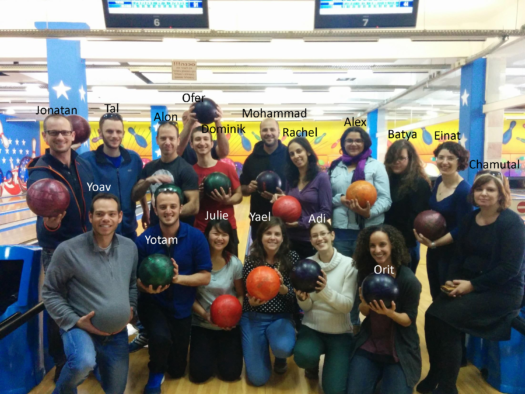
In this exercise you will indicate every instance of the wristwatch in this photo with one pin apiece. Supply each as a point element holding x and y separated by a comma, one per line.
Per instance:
<point>433,245</point>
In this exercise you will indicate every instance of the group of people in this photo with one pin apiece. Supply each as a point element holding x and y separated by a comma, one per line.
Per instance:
<point>91,254</point>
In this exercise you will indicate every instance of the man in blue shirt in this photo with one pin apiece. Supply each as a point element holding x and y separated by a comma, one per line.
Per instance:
<point>166,312</point>
<point>116,170</point>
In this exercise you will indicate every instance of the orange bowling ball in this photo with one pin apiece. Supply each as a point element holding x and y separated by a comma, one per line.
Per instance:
<point>263,283</point>
<point>362,190</point>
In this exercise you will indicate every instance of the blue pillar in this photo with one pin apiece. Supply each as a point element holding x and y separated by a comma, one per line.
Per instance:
<point>66,72</point>
<point>159,110</point>
<point>471,116</point>
<point>372,131</point>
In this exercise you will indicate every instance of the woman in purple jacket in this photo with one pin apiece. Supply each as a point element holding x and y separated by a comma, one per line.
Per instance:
<point>313,190</point>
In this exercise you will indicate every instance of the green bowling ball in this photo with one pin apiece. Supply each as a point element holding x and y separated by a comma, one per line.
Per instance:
<point>215,181</point>
<point>156,270</point>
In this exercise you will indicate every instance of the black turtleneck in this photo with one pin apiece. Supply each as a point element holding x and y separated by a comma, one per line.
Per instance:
<point>405,207</point>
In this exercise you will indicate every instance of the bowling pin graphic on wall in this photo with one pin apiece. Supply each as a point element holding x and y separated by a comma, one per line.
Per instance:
<point>3,138</point>
<point>246,144</point>
<point>427,137</point>
<point>507,136</point>
<point>33,144</point>
<point>140,140</point>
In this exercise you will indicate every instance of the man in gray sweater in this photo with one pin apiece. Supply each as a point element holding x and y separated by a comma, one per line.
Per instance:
<point>90,290</point>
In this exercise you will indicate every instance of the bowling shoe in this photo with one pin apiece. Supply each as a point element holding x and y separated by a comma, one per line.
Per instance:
<point>154,383</point>
<point>138,343</point>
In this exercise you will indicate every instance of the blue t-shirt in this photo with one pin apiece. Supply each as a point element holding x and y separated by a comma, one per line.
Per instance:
<point>116,161</point>
<point>191,253</point>
<point>454,207</point>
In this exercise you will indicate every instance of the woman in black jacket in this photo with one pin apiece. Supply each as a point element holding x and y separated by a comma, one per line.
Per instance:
<point>410,192</point>
<point>387,346</point>
<point>485,282</point>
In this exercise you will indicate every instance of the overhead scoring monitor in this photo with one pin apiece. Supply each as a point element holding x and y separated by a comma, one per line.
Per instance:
<point>345,14</point>
<point>147,14</point>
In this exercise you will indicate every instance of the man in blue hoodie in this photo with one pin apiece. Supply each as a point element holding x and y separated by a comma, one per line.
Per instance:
<point>63,164</point>
<point>117,169</point>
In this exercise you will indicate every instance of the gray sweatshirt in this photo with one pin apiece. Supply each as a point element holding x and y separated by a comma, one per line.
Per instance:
<point>82,278</point>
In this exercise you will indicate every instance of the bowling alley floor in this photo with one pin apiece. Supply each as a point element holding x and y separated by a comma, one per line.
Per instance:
<point>469,382</point>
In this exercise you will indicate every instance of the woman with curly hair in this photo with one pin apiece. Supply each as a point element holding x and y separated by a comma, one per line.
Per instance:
<point>449,198</point>
<point>387,346</point>
<point>311,188</point>
<point>410,191</point>
<point>348,217</point>
<point>269,323</point>
<point>484,284</point>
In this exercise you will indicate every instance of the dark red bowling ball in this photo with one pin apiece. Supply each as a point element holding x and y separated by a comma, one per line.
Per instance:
<point>268,181</point>
<point>205,111</point>
<point>287,208</point>
<point>304,275</point>
<point>226,311</point>
<point>380,287</point>
<point>47,198</point>
<point>431,224</point>
<point>81,128</point>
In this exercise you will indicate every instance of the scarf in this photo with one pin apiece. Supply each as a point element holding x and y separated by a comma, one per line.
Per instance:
<point>360,159</point>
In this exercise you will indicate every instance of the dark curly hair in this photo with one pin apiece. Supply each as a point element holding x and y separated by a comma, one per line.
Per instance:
<point>414,168</point>
<point>282,256</point>
<point>224,226</point>
<point>363,260</point>
<point>457,150</point>
<point>292,172</point>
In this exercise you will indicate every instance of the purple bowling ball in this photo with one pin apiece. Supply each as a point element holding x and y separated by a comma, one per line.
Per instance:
<point>304,275</point>
<point>380,287</point>
<point>268,181</point>
<point>206,111</point>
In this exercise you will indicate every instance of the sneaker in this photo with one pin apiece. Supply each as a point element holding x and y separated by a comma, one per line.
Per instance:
<point>138,343</point>
<point>312,373</point>
<point>280,366</point>
<point>154,383</point>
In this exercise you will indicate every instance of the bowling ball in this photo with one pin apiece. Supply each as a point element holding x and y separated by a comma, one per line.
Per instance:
<point>431,224</point>
<point>226,311</point>
<point>263,283</point>
<point>156,270</point>
<point>362,190</point>
<point>81,128</point>
<point>304,275</point>
<point>215,181</point>
<point>380,287</point>
<point>170,187</point>
<point>268,181</point>
<point>205,111</point>
<point>287,208</point>
<point>47,198</point>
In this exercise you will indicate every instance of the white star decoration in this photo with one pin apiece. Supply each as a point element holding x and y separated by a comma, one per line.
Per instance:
<point>464,98</point>
<point>21,151</point>
<point>16,142</point>
<point>17,161</point>
<point>157,152</point>
<point>27,152</point>
<point>82,93</point>
<point>24,142</point>
<point>61,90</point>
<point>3,160</point>
<point>14,151</point>
<point>156,127</point>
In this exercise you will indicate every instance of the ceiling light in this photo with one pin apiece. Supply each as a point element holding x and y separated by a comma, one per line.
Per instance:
<point>10,111</point>
<point>340,89</point>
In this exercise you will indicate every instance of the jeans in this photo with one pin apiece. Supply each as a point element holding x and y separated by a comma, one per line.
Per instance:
<point>210,348</point>
<point>84,351</point>
<point>169,338</point>
<point>344,242</point>
<point>414,257</point>
<point>260,330</point>
<point>56,348</point>
<point>364,374</point>
<point>312,344</point>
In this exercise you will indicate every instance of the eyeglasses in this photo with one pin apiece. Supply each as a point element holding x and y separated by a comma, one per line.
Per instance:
<point>111,115</point>
<point>320,235</point>
<point>55,133</point>
<point>446,158</point>
<point>495,174</point>
<point>402,158</point>
<point>351,141</point>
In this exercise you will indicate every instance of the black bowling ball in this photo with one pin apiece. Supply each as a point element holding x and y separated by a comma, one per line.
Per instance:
<point>304,275</point>
<point>380,287</point>
<point>206,111</point>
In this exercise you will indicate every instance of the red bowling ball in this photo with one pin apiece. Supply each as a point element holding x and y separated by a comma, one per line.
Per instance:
<point>287,208</point>
<point>226,311</point>
<point>80,127</point>
<point>47,198</point>
<point>431,224</point>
